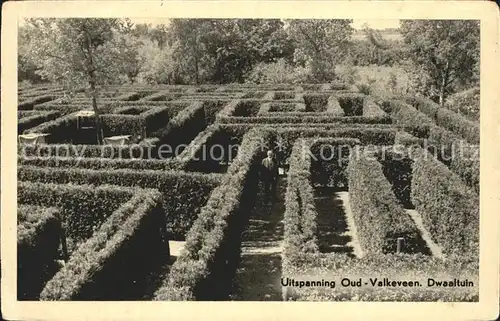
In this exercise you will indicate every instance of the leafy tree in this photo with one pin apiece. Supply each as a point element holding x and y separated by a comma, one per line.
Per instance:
<point>444,55</point>
<point>320,44</point>
<point>76,52</point>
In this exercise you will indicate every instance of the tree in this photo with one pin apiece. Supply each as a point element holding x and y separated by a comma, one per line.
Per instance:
<point>76,52</point>
<point>320,44</point>
<point>445,52</point>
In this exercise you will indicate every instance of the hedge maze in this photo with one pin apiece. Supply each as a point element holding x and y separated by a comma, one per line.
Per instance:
<point>368,189</point>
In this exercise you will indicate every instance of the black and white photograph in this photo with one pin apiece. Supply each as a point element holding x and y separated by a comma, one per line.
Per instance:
<point>248,159</point>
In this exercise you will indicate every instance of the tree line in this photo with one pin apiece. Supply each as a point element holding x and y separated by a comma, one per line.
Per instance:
<point>442,57</point>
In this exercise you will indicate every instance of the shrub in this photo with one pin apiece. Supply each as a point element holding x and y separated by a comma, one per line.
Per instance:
<point>25,123</point>
<point>410,119</point>
<point>449,209</point>
<point>38,233</point>
<point>406,139</point>
<point>30,103</point>
<point>133,233</point>
<point>204,262</point>
<point>97,202</point>
<point>182,128</point>
<point>379,219</point>
<point>352,104</point>
<point>330,157</point>
<point>60,130</point>
<point>183,193</point>
<point>316,102</point>
<point>447,119</point>
<point>333,106</point>
<point>201,155</point>
<point>466,103</point>
<point>465,163</point>
<point>371,109</point>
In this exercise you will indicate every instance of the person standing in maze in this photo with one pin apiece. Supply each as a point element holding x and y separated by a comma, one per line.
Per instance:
<point>269,175</point>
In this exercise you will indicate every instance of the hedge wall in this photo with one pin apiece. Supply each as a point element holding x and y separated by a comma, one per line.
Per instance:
<point>449,209</point>
<point>38,234</point>
<point>379,218</point>
<point>184,127</point>
<point>96,202</point>
<point>447,119</point>
<point>200,156</point>
<point>30,103</point>
<point>25,123</point>
<point>105,266</point>
<point>61,130</point>
<point>183,193</point>
<point>330,157</point>
<point>201,271</point>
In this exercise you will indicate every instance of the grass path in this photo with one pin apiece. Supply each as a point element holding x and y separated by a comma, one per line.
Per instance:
<point>336,229</point>
<point>259,273</point>
<point>433,247</point>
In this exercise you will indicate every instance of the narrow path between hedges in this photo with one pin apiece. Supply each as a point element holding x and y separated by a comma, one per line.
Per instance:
<point>433,247</point>
<point>259,273</point>
<point>336,228</point>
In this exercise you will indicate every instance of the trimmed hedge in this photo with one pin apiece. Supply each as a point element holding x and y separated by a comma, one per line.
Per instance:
<point>184,127</point>
<point>300,215</point>
<point>352,104</point>
<point>448,119</point>
<point>333,106</point>
<point>38,234</point>
<point>202,267</point>
<point>105,267</point>
<point>315,102</point>
<point>413,121</point>
<point>198,155</point>
<point>31,121</point>
<point>379,218</point>
<point>97,202</point>
<point>466,164</point>
<point>30,103</point>
<point>371,109</point>
<point>330,157</point>
<point>183,193</point>
<point>300,118</point>
<point>449,209</point>
<point>61,129</point>
<point>301,257</point>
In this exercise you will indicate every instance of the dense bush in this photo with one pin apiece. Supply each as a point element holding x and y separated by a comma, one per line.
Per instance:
<point>371,109</point>
<point>60,130</point>
<point>28,122</point>
<point>183,193</point>
<point>316,102</point>
<point>449,209</point>
<point>379,218</point>
<point>199,271</point>
<point>301,118</point>
<point>410,119</point>
<point>30,103</point>
<point>465,163</point>
<point>106,266</point>
<point>83,208</point>
<point>202,156</point>
<point>447,119</point>
<point>182,128</point>
<point>330,157</point>
<point>352,104</point>
<point>333,106</point>
<point>38,235</point>
<point>466,103</point>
